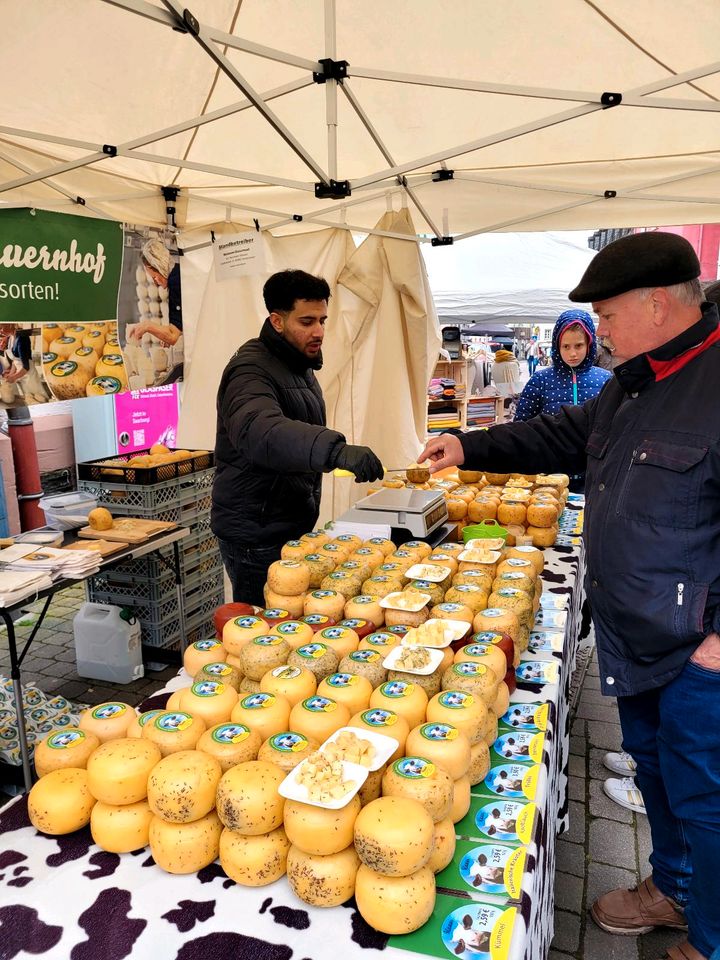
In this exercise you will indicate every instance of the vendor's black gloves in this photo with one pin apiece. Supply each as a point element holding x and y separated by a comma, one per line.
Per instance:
<point>361,461</point>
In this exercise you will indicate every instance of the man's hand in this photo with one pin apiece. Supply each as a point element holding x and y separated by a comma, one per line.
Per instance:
<point>707,655</point>
<point>361,461</point>
<point>445,451</point>
<point>14,374</point>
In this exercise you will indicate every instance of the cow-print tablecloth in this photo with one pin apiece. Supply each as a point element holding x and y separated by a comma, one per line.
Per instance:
<point>62,898</point>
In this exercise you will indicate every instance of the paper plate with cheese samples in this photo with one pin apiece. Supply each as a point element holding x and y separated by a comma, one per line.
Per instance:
<point>434,573</point>
<point>397,659</point>
<point>384,746</point>
<point>479,556</point>
<point>428,634</point>
<point>332,793</point>
<point>409,602</point>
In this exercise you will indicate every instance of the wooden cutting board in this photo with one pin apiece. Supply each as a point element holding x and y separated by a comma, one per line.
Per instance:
<point>103,547</point>
<point>128,530</point>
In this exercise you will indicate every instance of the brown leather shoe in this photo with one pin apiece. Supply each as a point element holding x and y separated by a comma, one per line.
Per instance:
<point>684,951</point>
<point>638,910</point>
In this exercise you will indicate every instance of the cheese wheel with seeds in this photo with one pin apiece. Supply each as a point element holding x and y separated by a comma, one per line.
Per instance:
<point>265,713</point>
<point>182,848</point>
<point>239,631</point>
<point>364,663</point>
<point>108,721</point>
<point>248,686</point>
<point>382,640</point>
<point>329,603</point>
<point>61,802</point>
<point>457,509</point>
<point>516,579</point>
<point>479,762</point>
<point>509,598</point>
<point>372,788</point>
<point>288,577</point>
<point>442,744</point>
<point>248,800</point>
<point>380,585</point>
<point>409,700</point>
<point>316,538</point>
<point>319,566</point>
<point>173,731</point>
<point>223,671</point>
<point>118,770</point>
<point>373,556</point>
<point>293,683</point>
<point>460,709</point>
<point>64,748</point>
<point>320,659</point>
<point>461,799</point>
<point>387,722</point>
<point>254,861</point>
<point>347,688</point>
<point>490,733</point>
<point>318,717</point>
<point>381,543</point>
<point>262,654</point>
<point>470,595</point>
<point>121,829</point>
<point>475,576</point>
<point>476,678</point>
<point>394,835</point>
<point>443,845</point>
<point>181,788</point>
<point>435,591</point>
<point>320,831</point>
<point>541,514</point>
<point>293,550</point>
<point>395,905</point>
<point>322,881</point>
<point>543,536</point>
<point>488,653</point>
<point>498,620</point>
<point>533,554</point>
<point>230,744</point>
<point>517,565</point>
<point>482,509</point>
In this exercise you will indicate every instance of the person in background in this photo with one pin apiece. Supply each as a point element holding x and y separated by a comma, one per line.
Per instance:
<point>505,373</point>
<point>533,354</point>
<point>650,441</point>
<point>604,357</point>
<point>272,445</point>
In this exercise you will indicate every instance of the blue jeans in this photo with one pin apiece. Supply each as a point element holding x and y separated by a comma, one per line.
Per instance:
<point>247,569</point>
<point>673,734</point>
<point>532,365</point>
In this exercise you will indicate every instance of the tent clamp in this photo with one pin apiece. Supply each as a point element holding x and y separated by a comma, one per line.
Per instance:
<point>191,23</point>
<point>443,241</point>
<point>297,217</point>
<point>80,201</point>
<point>333,190</point>
<point>170,194</point>
<point>610,194</point>
<point>610,99</point>
<point>439,175</point>
<point>109,150</point>
<point>331,70</point>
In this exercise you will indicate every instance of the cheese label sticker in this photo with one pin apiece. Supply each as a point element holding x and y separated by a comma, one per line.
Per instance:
<point>378,541</point>
<point>399,629</point>
<point>340,575</point>
<point>450,607</point>
<point>289,628</point>
<point>365,656</point>
<point>66,340</point>
<point>403,555</point>
<point>439,732</point>
<point>365,599</point>
<point>107,710</point>
<point>66,739</point>
<point>478,930</point>
<point>413,544</point>
<point>506,820</point>
<point>468,668</point>
<point>314,535</point>
<point>397,688</point>
<point>286,673</point>
<point>514,780</point>
<point>294,543</point>
<point>203,645</point>
<point>268,640</point>
<point>517,562</point>
<point>538,672</point>
<point>107,384</point>
<point>334,633</point>
<point>149,715</point>
<point>323,594</point>
<point>364,552</point>
<point>389,567</point>
<point>288,742</point>
<point>455,699</point>
<point>84,351</point>
<point>289,564</point>
<point>521,746</point>
<point>380,639</point>
<point>353,623</point>
<point>248,623</point>
<point>169,722</point>
<point>312,651</point>
<point>351,565</point>
<point>208,688</point>
<point>341,679</point>
<point>230,733</point>
<point>475,650</point>
<point>275,614</point>
<point>494,612</point>
<point>378,718</point>
<point>331,548</point>
<point>487,637</point>
<point>512,575</point>
<point>467,588</point>
<point>527,716</point>
<point>546,641</point>
<point>112,359</point>
<point>347,538</point>
<point>509,592</point>
<point>63,369</point>
<point>319,704</point>
<point>494,869</point>
<point>315,619</point>
<point>49,357</point>
<point>258,701</point>
<point>414,768</point>
<point>218,669</point>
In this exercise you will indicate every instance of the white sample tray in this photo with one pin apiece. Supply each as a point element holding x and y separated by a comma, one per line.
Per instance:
<point>454,630</point>
<point>489,556</point>
<point>385,747</point>
<point>391,660</point>
<point>391,601</point>
<point>292,790</point>
<point>431,572</point>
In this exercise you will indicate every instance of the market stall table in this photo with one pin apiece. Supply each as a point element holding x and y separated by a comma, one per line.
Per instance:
<point>117,906</point>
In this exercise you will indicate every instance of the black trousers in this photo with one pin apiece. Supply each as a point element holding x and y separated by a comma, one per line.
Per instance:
<point>247,569</point>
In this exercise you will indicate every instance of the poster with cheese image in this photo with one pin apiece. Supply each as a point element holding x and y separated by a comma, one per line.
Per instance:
<point>485,870</point>
<point>506,821</point>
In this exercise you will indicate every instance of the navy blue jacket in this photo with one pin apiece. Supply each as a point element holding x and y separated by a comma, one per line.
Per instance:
<point>650,444</point>
<point>551,387</point>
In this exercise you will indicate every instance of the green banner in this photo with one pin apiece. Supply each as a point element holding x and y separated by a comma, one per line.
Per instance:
<point>57,268</point>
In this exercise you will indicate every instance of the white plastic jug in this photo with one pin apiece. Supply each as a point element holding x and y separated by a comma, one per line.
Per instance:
<point>107,644</point>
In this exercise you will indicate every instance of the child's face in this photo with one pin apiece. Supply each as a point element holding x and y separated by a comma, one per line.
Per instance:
<point>573,347</point>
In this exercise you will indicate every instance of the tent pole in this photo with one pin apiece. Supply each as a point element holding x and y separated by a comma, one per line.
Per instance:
<point>233,205</point>
<point>212,168</point>
<point>331,85</point>
<point>52,172</point>
<point>536,216</point>
<point>54,186</point>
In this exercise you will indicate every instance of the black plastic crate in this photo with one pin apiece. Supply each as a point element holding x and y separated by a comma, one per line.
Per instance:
<point>100,470</point>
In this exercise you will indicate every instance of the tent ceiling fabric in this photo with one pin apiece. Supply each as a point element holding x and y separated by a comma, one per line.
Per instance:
<point>507,96</point>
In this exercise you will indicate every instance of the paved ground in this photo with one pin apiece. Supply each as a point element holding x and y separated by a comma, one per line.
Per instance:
<point>606,846</point>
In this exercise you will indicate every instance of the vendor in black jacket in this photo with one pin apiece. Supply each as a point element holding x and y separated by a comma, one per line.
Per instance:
<point>272,444</point>
<point>650,443</point>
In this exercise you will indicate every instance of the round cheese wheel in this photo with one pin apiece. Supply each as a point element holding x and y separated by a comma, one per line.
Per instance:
<point>347,688</point>
<point>65,346</point>
<point>443,845</point>
<point>94,337</point>
<point>292,683</point>
<point>365,663</point>
<point>475,576</point>
<point>239,631</point>
<point>452,548</point>
<point>63,749</point>
<point>429,682</point>
<point>248,800</point>
<point>318,717</point>
<point>221,670</point>
<point>288,577</point>
<point>342,640</point>
<point>287,749</point>
<point>498,620</point>
<point>382,640</point>
<point>61,802</point>
<point>383,544</point>
<point>457,509</point>
<point>442,559</point>
<point>469,594</point>
<point>265,713</point>
<point>391,568</point>
<point>395,905</point>
<point>336,551</point>
<point>118,770</point>
<point>360,568</point>
<point>316,657</point>
<point>516,579</point>
<point>436,591</point>
<point>509,598</point>
<point>316,538</point>
<point>248,686</point>
<point>452,611</point>
<point>294,550</point>
<point>418,779</point>
<point>366,607</point>
<point>511,511</point>
<point>230,743</point>
<point>405,617</point>
<point>322,881</point>
<point>373,556</point>
<point>209,699</point>
<point>181,788</point>
<point>488,653</point>
<point>319,565</point>
<point>532,554</point>
<point>418,548</point>
<point>496,639</point>
<point>482,508</point>
<point>319,831</point>
<point>372,788</point>
<point>254,861</point>
<point>343,581</point>
<point>502,701</point>
<point>295,605</point>
<point>479,762</point>
<point>516,565</point>
<point>460,709</point>
<point>443,744</point>
<point>329,603</point>
<point>490,733</point>
<point>393,835</point>
<point>349,540</point>
<point>264,653</point>
<point>185,847</point>
<point>407,699</point>
<point>294,632</point>
<point>173,731</point>
<point>474,677</point>
<point>461,799</point>
<point>108,721</point>
<point>121,829</point>
<point>543,536</point>
<point>386,722</point>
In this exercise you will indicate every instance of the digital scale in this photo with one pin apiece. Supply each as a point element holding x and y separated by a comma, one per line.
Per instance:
<point>417,512</point>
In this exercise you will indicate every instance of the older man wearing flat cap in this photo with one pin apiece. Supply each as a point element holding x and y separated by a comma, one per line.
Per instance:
<point>650,445</point>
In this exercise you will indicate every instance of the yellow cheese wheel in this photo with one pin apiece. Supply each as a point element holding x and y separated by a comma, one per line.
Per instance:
<point>365,607</point>
<point>373,556</point>
<point>287,749</point>
<point>460,709</point>
<point>511,511</point>
<point>63,749</point>
<point>402,697</point>
<point>262,654</point>
<point>316,538</point>
<point>254,861</point>
<point>351,540</point>
<point>322,881</point>
<point>318,717</point>
<point>395,905</point>
<point>239,631</point>
<point>108,721</point>
<point>442,744</point>
<point>436,591</point>
<point>479,762</point>
<point>185,847</point>
<point>474,677</point>
<point>110,365</point>
<point>490,733</point>
<point>294,604</point>
<point>174,731</point>
<point>488,653</point>
<point>475,576</point>
<point>533,554</point>
<point>328,603</point>
<point>502,701</point>
<point>508,598</point>
<point>230,743</point>
<point>457,508</point>
<point>513,578</point>
<point>498,620</point>
<point>360,568</point>
<point>319,565</point>
<point>543,536</point>
<point>382,640</point>
<point>443,845</point>
<point>461,799</point>
<point>173,703</point>
<point>294,632</point>
<point>452,611</point>
<point>517,565</point>
<point>181,788</point>
<point>319,831</point>
<point>121,829</point>
<point>265,713</point>
<point>394,835</point>
<point>248,800</point>
<point>61,802</point>
<point>211,700</point>
<point>364,663</point>
<point>294,550</point>
<point>65,346</point>
<point>136,727</point>
<point>118,770</point>
<point>202,652</point>
<point>468,594</point>
<point>292,683</point>
<point>351,690</point>
<point>418,779</point>
<point>93,337</point>
<point>386,722</point>
<point>288,577</point>
<point>381,543</point>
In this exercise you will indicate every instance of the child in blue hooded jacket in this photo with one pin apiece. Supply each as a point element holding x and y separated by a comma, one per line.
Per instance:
<point>572,378</point>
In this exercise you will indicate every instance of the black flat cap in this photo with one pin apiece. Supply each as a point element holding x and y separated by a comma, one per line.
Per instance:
<point>639,260</point>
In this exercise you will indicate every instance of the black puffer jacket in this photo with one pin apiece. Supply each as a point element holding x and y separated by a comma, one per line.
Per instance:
<point>272,444</point>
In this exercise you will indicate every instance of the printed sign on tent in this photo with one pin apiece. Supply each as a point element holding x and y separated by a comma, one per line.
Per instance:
<point>239,255</point>
<point>146,417</point>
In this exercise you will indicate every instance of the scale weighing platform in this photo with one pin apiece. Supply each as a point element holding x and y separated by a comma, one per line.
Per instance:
<point>417,512</point>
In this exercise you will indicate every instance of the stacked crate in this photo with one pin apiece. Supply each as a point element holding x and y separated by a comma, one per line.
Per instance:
<point>147,585</point>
